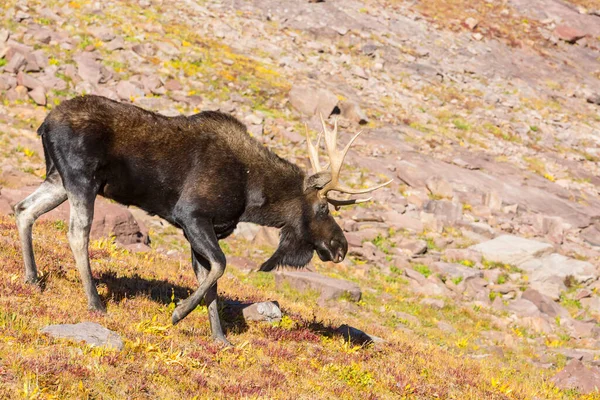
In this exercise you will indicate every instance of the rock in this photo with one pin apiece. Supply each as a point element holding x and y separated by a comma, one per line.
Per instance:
<point>116,44</point>
<point>537,324</point>
<point>580,329</point>
<point>246,230</point>
<point>265,311</point>
<point>87,68</point>
<point>416,276</point>
<point>36,61</point>
<point>4,35</point>
<point>266,236</point>
<point>329,288</point>
<point>591,303</point>
<point>143,49</point>
<point>445,210</point>
<point>454,255</point>
<point>115,220</point>
<point>167,48</point>
<point>38,95</point>
<point>577,376</point>
<point>17,93</point>
<point>452,271</point>
<point>446,327</point>
<point>545,304</point>
<point>173,84</point>
<point>28,81</point>
<point>410,319</point>
<point>152,84</point>
<point>412,247</point>
<point>357,336</point>
<point>128,91</point>
<point>351,111</point>
<point>434,303</point>
<point>569,34</point>
<point>137,248</point>
<point>402,221</point>
<point>311,101</point>
<point>471,23</point>
<point>493,200</point>
<point>15,64</point>
<point>524,308</point>
<point>103,33</point>
<point>7,82</point>
<point>557,265</point>
<point>513,250</point>
<point>552,287</point>
<point>591,235</point>
<point>90,332</point>
<point>439,187</point>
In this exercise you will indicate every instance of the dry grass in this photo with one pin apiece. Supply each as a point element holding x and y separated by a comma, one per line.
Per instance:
<point>301,357</point>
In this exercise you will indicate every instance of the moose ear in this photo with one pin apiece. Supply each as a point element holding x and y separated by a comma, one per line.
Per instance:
<point>317,181</point>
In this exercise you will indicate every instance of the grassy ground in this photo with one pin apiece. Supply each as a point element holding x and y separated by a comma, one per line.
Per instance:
<point>301,357</point>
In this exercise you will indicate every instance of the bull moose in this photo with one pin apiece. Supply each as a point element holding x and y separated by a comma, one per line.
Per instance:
<point>202,173</point>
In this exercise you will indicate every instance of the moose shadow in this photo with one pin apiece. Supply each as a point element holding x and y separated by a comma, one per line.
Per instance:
<point>164,292</point>
<point>231,311</point>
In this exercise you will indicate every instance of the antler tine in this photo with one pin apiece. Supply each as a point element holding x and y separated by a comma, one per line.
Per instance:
<point>313,151</point>
<point>339,203</point>
<point>336,160</point>
<point>344,189</point>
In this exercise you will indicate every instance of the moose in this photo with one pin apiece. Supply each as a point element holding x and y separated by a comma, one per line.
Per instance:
<point>202,173</point>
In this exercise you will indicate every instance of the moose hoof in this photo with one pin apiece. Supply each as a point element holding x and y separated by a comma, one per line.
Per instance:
<point>32,280</point>
<point>222,340</point>
<point>97,306</point>
<point>180,311</point>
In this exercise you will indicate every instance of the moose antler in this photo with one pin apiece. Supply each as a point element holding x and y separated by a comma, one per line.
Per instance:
<point>336,160</point>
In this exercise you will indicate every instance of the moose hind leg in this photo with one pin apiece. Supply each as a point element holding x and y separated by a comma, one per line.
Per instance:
<point>82,213</point>
<point>48,196</point>
<point>201,267</point>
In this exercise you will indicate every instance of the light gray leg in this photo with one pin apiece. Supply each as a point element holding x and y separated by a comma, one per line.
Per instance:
<point>210,298</point>
<point>47,197</point>
<point>82,213</point>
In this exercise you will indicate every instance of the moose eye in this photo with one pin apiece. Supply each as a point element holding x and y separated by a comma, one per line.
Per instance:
<point>324,209</point>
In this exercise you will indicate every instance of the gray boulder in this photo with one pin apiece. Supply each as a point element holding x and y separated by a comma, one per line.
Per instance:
<point>89,332</point>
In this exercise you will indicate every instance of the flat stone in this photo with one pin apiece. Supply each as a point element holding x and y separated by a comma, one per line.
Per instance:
<point>90,332</point>
<point>452,271</point>
<point>513,250</point>
<point>523,307</point>
<point>446,327</point>
<point>577,376</point>
<point>412,247</point>
<point>551,287</point>
<point>557,265</point>
<point>439,187</point>
<point>128,91</point>
<point>444,210</point>
<point>434,303</point>
<point>402,221</point>
<point>545,304</point>
<point>329,288</point>
<point>569,34</point>
<point>591,235</point>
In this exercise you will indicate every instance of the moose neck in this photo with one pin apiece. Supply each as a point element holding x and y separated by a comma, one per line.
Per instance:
<point>274,198</point>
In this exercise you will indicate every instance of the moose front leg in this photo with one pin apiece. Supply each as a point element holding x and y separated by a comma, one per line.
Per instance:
<point>201,268</point>
<point>202,238</point>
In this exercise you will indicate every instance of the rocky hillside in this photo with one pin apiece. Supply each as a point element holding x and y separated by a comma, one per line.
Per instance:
<point>473,275</point>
